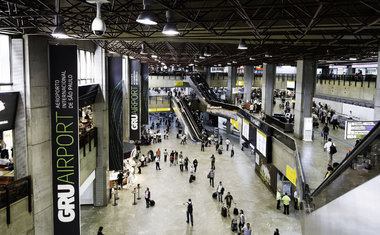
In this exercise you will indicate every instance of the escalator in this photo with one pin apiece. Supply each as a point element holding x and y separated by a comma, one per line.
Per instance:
<point>187,120</point>
<point>350,193</point>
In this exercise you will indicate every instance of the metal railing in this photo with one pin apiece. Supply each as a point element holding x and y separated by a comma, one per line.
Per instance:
<point>14,191</point>
<point>346,79</point>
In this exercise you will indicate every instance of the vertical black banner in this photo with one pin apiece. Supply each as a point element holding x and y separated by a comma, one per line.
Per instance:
<point>135,121</point>
<point>115,103</point>
<point>64,139</point>
<point>144,93</point>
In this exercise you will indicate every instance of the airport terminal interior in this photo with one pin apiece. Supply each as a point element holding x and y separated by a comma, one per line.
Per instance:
<point>190,117</point>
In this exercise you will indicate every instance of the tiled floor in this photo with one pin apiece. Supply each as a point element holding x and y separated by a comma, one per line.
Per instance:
<point>170,189</point>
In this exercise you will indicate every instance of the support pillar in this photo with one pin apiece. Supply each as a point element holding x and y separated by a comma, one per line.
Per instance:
<point>305,86</point>
<point>207,70</point>
<point>269,78</point>
<point>228,126</point>
<point>377,93</point>
<point>248,81</point>
<point>231,83</point>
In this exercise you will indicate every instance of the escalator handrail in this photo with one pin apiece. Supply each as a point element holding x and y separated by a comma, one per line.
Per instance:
<point>348,160</point>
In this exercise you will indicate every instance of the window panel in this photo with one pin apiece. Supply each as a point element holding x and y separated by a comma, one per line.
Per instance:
<point>5,66</point>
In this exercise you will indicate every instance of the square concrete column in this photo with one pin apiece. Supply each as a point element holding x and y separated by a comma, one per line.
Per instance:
<point>377,93</point>
<point>269,79</point>
<point>248,81</point>
<point>231,83</point>
<point>305,86</point>
<point>228,126</point>
<point>207,71</point>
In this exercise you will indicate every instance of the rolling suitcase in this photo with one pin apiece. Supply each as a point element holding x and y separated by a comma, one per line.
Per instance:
<point>224,211</point>
<point>219,151</point>
<point>234,225</point>
<point>215,195</point>
<point>152,203</point>
<point>236,211</point>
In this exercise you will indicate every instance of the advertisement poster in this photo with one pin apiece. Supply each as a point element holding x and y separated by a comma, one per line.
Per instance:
<point>245,131</point>
<point>135,78</point>
<point>261,144</point>
<point>64,135</point>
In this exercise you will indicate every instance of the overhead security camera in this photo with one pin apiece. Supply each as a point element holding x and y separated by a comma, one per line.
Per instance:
<point>98,26</point>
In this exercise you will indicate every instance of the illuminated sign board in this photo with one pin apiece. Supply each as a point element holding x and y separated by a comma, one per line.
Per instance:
<point>358,129</point>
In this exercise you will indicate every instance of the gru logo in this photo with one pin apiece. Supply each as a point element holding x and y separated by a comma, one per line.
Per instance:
<point>66,205</point>
<point>134,122</point>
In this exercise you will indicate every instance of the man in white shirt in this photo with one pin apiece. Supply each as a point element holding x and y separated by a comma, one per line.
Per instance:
<point>327,148</point>
<point>227,143</point>
<point>158,163</point>
<point>220,190</point>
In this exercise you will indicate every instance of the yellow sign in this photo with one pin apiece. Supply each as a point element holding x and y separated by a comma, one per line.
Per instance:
<point>239,83</point>
<point>235,124</point>
<point>291,175</point>
<point>178,83</point>
<point>159,110</point>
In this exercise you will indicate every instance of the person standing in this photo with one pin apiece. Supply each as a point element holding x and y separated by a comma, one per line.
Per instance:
<point>334,121</point>
<point>241,220</point>
<point>278,198</point>
<point>186,163</point>
<point>100,230</point>
<point>221,140</point>
<point>286,200</point>
<point>147,197</point>
<point>213,162</point>
<point>189,211</point>
<point>181,161</point>
<point>217,146</point>
<point>247,229</point>
<point>325,131</point>
<point>120,178</point>
<point>228,200</point>
<point>165,155</point>
<point>211,176</point>
<point>295,195</point>
<point>220,190</point>
<point>195,163</point>
<point>175,158</point>
<point>158,154</point>
<point>191,174</point>
<point>227,143</point>
<point>330,147</point>
<point>139,167</point>
<point>232,151</point>
<point>203,146</point>
<point>276,232</point>
<point>158,163</point>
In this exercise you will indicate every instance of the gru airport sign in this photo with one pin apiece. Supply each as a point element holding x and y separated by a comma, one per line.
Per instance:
<point>64,139</point>
<point>135,78</point>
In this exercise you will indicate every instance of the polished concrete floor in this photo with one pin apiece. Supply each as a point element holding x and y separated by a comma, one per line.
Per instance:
<point>170,189</point>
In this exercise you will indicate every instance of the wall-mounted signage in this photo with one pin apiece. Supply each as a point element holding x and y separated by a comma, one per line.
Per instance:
<point>64,139</point>
<point>261,143</point>
<point>245,131</point>
<point>291,175</point>
<point>357,129</point>
<point>135,78</point>
<point>8,109</point>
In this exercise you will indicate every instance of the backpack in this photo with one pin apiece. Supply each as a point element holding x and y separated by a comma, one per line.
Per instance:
<point>333,149</point>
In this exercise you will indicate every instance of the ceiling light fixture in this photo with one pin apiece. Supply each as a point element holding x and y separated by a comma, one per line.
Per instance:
<point>242,45</point>
<point>154,56</point>
<point>251,58</point>
<point>59,31</point>
<point>234,62</point>
<point>170,28</point>
<point>143,51</point>
<point>201,57</point>
<point>147,17</point>
<point>206,52</point>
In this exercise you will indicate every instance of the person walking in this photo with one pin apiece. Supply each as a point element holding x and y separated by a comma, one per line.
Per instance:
<point>120,178</point>
<point>181,161</point>
<point>325,131</point>
<point>278,198</point>
<point>203,146</point>
<point>295,195</point>
<point>165,155</point>
<point>147,197</point>
<point>189,211</point>
<point>175,158</point>
<point>334,121</point>
<point>158,154</point>
<point>221,140</point>
<point>286,200</point>
<point>241,220</point>
<point>220,190</point>
<point>228,198</point>
<point>171,158</point>
<point>213,162</point>
<point>211,176</point>
<point>139,167</point>
<point>195,163</point>
<point>227,143</point>
<point>247,229</point>
<point>100,230</point>
<point>330,147</point>
<point>232,151</point>
<point>217,146</point>
<point>158,163</point>
<point>191,174</point>
<point>186,163</point>
<point>276,232</point>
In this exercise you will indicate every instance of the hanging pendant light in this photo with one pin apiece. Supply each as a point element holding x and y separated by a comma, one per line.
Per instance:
<point>242,45</point>
<point>170,28</point>
<point>147,17</point>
